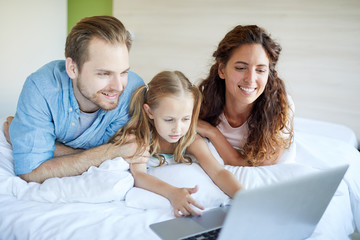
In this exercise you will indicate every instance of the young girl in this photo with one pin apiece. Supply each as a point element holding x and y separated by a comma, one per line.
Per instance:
<point>163,120</point>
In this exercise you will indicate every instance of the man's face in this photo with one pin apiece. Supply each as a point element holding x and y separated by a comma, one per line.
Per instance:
<point>103,77</point>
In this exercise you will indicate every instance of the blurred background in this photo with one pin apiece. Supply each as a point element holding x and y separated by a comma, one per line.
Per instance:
<point>320,40</point>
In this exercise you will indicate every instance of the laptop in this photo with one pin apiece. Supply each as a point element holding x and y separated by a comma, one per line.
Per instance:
<point>286,210</point>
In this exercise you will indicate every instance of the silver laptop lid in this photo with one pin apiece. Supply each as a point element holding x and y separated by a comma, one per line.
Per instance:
<point>287,210</point>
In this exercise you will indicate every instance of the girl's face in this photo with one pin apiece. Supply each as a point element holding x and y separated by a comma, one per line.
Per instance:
<point>172,117</point>
<point>245,74</point>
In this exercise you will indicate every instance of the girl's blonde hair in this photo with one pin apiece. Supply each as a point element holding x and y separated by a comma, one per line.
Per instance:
<point>164,84</point>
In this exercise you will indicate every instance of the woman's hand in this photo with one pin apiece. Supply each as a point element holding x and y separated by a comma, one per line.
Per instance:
<point>183,203</point>
<point>205,129</point>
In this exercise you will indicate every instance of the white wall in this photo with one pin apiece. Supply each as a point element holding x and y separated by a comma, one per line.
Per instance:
<point>32,34</point>
<point>320,39</point>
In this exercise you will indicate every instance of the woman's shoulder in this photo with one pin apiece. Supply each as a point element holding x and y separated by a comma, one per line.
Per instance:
<point>291,103</point>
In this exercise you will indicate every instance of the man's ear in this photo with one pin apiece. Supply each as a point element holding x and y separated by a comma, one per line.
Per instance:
<point>221,71</point>
<point>71,68</point>
<point>148,111</point>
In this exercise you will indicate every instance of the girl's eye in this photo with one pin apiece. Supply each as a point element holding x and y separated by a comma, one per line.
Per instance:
<point>187,119</point>
<point>168,120</point>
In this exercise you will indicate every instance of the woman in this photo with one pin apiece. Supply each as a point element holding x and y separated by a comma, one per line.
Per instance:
<point>246,112</point>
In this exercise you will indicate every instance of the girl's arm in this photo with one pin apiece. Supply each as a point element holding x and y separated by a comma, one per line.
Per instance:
<point>227,152</point>
<point>180,198</point>
<point>224,179</point>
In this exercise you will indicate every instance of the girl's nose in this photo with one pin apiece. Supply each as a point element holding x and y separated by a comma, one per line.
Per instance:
<point>177,127</point>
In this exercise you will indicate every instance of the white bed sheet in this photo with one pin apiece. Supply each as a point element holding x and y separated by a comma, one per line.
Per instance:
<point>108,216</point>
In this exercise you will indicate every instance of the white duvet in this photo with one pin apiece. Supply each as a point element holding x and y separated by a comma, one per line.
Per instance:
<point>103,204</point>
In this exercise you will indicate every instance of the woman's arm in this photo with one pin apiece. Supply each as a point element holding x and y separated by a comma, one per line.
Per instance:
<point>224,179</point>
<point>228,153</point>
<point>180,198</point>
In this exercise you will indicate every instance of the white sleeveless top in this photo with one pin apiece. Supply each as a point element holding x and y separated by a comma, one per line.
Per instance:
<point>236,136</point>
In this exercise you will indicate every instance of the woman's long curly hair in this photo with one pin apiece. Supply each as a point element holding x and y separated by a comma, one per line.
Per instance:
<point>164,84</point>
<point>270,121</point>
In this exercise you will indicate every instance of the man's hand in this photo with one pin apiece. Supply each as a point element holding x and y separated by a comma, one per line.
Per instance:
<point>6,128</point>
<point>128,150</point>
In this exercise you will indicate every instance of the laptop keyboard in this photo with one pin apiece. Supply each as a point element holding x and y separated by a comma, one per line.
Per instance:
<point>213,234</point>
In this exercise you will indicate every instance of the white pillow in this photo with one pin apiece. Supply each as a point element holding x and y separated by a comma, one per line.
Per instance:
<point>253,177</point>
<point>178,175</point>
<point>209,195</point>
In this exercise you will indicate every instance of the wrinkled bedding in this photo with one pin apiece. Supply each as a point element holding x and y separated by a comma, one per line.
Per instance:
<point>103,204</point>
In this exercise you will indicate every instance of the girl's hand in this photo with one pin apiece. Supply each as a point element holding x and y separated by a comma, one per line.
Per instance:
<point>205,129</point>
<point>181,201</point>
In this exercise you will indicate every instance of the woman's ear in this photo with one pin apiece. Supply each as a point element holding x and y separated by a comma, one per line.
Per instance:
<point>71,68</point>
<point>221,71</point>
<point>148,111</point>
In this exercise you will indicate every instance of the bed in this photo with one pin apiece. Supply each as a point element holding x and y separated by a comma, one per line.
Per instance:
<point>103,204</point>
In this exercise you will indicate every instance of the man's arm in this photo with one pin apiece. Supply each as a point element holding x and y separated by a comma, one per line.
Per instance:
<point>76,164</point>
<point>60,150</point>
<point>68,161</point>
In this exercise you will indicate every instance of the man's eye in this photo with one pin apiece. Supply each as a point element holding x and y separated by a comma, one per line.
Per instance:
<point>103,74</point>
<point>124,74</point>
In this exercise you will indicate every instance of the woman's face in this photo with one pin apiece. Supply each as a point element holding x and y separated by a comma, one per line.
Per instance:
<point>245,74</point>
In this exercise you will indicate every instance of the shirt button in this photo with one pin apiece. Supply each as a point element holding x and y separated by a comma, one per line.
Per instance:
<point>72,124</point>
<point>70,109</point>
<point>64,142</point>
<point>77,110</point>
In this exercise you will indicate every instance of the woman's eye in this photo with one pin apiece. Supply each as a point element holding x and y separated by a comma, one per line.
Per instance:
<point>240,68</point>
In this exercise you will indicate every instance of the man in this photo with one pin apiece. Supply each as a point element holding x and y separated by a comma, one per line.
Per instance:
<point>67,110</point>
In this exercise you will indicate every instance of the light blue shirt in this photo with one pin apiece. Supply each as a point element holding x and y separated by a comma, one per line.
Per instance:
<point>47,112</point>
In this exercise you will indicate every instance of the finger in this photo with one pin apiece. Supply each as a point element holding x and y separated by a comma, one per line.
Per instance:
<point>141,160</point>
<point>136,160</point>
<point>9,119</point>
<point>193,190</point>
<point>193,211</point>
<point>184,211</point>
<point>195,203</point>
<point>177,213</point>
